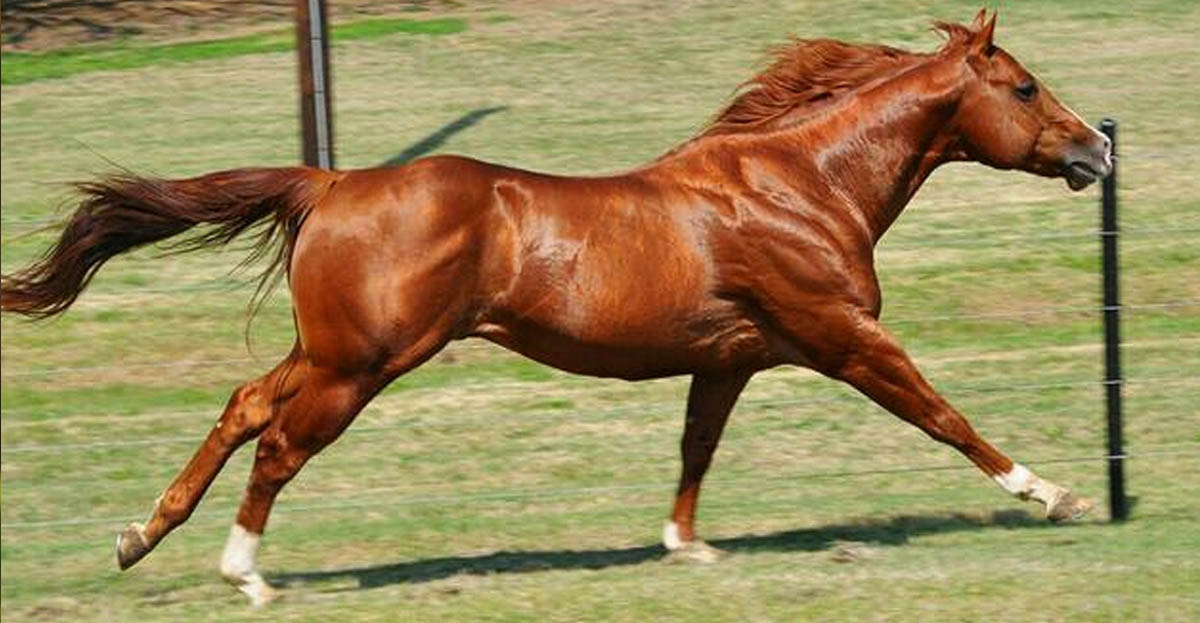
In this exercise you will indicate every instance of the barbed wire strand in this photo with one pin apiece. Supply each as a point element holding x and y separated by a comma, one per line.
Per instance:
<point>224,286</point>
<point>1049,311</point>
<point>574,416</point>
<point>480,345</point>
<point>977,242</point>
<point>384,406</point>
<point>68,485</point>
<point>1126,155</point>
<point>954,238</point>
<point>561,492</point>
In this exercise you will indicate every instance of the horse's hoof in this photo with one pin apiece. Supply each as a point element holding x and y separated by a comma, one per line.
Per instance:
<point>253,585</point>
<point>1068,507</point>
<point>695,552</point>
<point>131,545</point>
<point>261,595</point>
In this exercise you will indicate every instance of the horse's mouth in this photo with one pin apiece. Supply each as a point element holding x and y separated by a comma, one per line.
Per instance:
<point>1079,175</point>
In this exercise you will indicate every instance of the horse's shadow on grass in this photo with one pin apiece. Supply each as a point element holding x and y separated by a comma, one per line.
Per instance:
<point>438,137</point>
<point>884,532</point>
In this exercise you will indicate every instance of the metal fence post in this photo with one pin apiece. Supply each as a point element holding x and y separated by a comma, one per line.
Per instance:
<point>1117,502</point>
<point>316,119</point>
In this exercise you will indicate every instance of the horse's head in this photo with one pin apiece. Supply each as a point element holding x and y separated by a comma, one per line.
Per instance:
<point>1008,119</point>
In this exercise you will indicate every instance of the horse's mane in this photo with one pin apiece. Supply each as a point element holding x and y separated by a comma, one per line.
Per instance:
<point>808,73</point>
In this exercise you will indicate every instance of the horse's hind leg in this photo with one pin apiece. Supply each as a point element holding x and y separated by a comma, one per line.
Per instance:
<point>313,418</point>
<point>247,413</point>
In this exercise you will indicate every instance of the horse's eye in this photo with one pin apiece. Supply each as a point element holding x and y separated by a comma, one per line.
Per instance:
<point>1027,91</point>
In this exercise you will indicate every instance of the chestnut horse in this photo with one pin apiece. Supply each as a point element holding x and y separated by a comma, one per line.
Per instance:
<point>748,247</point>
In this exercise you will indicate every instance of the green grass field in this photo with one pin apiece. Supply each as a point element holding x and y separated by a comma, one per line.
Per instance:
<point>487,487</point>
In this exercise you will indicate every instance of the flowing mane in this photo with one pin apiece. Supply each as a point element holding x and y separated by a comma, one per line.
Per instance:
<point>806,74</point>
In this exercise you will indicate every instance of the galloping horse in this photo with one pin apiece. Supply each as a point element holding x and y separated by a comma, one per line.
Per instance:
<point>749,246</point>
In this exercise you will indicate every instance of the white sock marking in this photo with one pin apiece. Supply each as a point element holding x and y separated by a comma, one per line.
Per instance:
<point>1024,484</point>
<point>1016,481</point>
<point>670,536</point>
<point>238,565</point>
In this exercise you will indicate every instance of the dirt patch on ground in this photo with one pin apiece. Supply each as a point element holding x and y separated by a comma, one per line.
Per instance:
<point>39,25</point>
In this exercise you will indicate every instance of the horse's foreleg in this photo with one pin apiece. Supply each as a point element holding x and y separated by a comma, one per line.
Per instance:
<point>877,366</point>
<point>710,399</point>
<point>247,413</point>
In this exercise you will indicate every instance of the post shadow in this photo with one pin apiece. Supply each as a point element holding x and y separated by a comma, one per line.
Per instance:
<point>880,532</point>
<point>438,137</point>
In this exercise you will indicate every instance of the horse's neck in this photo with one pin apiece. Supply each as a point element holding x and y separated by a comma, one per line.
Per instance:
<point>877,148</point>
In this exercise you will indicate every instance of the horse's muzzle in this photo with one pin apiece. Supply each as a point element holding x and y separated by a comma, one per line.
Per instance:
<point>1080,175</point>
<point>1088,162</point>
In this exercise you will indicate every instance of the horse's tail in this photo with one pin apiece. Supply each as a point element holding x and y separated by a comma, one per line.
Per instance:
<point>124,212</point>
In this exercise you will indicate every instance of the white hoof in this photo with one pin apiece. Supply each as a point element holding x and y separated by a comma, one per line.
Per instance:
<point>1068,507</point>
<point>256,588</point>
<point>680,551</point>
<point>695,552</point>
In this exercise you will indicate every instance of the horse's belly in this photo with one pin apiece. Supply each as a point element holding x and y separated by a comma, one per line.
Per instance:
<point>638,348</point>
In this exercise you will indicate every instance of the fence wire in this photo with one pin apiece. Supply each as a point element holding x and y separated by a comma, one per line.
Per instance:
<point>462,347</point>
<point>545,493</point>
<point>1127,155</point>
<point>585,415</point>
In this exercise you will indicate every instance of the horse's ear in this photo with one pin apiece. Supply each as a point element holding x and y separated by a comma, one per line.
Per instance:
<point>981,41</point>
<point>977,23</point>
